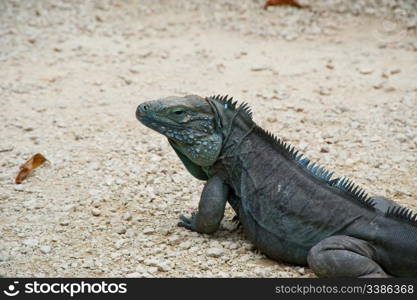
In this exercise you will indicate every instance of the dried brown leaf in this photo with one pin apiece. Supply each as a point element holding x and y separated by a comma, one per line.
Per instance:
<point>28,167</point>
<point>282,2</point>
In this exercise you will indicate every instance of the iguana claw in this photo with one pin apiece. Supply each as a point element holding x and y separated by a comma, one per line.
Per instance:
<point>236,221</point>
<point>188,223</point>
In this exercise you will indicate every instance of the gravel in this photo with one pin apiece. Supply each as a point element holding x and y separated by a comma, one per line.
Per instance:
<point>107,202</point>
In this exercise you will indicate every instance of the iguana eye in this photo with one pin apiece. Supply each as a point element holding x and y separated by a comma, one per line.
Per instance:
<point>179,112</point>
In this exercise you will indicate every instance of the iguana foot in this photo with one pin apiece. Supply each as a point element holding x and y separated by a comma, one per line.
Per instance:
<point>188,223</point>
<point>344,256</point>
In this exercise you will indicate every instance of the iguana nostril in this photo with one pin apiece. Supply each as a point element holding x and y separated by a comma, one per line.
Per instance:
<point>141,110</point>
<point>142,107</point>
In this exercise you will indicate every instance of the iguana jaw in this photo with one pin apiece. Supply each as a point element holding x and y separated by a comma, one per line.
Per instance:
<point>171,131</point>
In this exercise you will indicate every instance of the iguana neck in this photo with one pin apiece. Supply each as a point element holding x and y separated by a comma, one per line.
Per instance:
<point>233,122</point>
<point>234,135</point>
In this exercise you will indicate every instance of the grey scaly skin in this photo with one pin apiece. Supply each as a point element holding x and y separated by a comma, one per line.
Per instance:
<point>291,209</point>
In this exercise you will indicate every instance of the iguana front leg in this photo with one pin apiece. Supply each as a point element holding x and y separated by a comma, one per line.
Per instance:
<point>210,209</point>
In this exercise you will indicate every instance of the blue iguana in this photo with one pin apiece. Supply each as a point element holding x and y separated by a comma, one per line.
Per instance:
<point>293,210</point>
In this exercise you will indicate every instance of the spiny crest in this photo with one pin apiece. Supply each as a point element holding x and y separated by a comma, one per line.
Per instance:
<point>228,103</point>
<point>315,169</point>
<point>402,213</point>
<point>342,183</point>
<point>349,186</point>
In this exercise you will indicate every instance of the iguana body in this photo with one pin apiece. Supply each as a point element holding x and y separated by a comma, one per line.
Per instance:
<point>290,209</point>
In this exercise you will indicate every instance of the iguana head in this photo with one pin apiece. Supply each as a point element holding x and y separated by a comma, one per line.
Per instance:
<point>189,124</point>
<point>196,127</point>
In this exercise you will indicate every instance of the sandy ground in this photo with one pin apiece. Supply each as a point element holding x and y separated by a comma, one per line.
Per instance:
<point>338,81</point>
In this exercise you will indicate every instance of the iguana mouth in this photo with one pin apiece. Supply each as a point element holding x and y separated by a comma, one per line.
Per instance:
<point>148,121</point>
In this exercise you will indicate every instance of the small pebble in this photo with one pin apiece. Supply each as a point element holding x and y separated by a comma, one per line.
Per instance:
<point>120,229</point>
<point>119,243</point>
<point>185,245</point>
<point>148,230</point>
<point>31,242</point>
<point>395,71</point>
<point>324,150</point>
<point>45,249</point>
<point>64,223</point>
<point>127,216</point>
<point>152,270</point>
<point>96,212</point>
<point>379,85</point>
<point>133,275</point>
<point>329,66</point>
<point>365,70</point>
<point>215,252</point>
<point>325,91</point>
<point>258,68</point>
